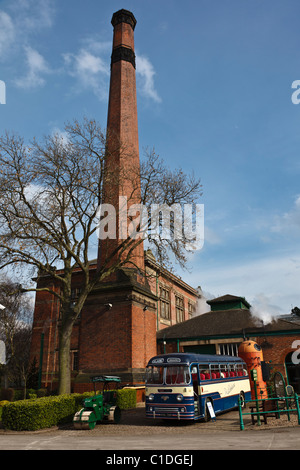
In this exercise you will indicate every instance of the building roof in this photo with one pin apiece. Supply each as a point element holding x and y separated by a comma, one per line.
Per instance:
<point>227,302</point>
<point>226,323</point>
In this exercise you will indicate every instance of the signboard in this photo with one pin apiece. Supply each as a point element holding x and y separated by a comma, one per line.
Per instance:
<point>211,410</point>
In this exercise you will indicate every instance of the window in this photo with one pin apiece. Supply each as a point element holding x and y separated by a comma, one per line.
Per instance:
<point>74,360</point>
<point>179,304</point>
<point>154,375</point>
<point>165,304</point>
<point>75,293</point>
<point>232,370</point>
<point>176,375</point>
<point>204,372</point>
<point>172,375</point>
<point>215,371</point>
<point>241,370</point>
<point>224,371</point>
<point>229,349</point>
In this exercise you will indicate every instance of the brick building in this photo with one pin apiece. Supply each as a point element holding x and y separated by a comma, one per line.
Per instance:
<point>227,324</point>
<point>109,334</point>
<point>116,331</point>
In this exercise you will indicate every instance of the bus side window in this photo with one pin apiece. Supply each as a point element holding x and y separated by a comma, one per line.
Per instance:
<point>232,371</point>
<point>215,371</point>
<point>204,372</point>
<point>242,370</point>
<point>224,371</point>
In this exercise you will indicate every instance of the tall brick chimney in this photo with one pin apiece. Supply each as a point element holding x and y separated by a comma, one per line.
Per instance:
<point>118,321</point>
<point>122,160</point>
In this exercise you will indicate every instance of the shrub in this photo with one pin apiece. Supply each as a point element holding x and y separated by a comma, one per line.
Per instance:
<point>4,402</point>
<point>126,398</point>
<point>32,396</point>
<point>38,413</point>
<point>45,412</point>
<point>19,394</point>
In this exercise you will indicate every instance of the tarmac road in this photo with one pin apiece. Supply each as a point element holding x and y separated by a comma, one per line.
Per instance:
<point>136,433</point>
<point>67,440</point>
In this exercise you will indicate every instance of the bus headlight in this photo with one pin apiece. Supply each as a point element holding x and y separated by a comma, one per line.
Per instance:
<point>179,397</point>
<point>151,397</point>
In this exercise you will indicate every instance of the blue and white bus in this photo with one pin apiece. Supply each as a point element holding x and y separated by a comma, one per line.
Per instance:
<point>190,386</point>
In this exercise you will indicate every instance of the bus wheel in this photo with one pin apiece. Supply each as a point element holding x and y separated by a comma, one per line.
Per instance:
<point>242,400</point>
<point>206,411</point>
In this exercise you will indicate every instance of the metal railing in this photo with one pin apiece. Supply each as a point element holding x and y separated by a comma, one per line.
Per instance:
<point>261,408</point>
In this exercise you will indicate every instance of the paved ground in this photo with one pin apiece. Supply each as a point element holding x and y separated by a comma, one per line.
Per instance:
<point>135,432</point>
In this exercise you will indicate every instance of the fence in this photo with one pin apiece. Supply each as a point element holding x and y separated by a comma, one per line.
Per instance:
<point>269,407</point>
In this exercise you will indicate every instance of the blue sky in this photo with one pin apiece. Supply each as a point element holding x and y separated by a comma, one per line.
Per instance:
<point>214,96</point>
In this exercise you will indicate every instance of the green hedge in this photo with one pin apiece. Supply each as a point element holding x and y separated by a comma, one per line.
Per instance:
<point>126,399</point>
<point>45,412</point>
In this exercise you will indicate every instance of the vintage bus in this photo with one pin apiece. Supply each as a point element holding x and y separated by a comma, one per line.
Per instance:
<point>186,386</point>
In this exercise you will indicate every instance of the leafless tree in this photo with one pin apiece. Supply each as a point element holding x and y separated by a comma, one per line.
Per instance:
<point>50,192</point>
<point>15,330</point>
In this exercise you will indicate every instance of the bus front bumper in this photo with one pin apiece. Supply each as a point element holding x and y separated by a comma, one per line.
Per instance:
<point>174,412</point>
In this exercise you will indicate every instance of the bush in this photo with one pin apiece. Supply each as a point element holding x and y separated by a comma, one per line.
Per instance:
<point>126,398</point>
<point>45,412</point>
<point>31,415</point>
<point>4,402</point>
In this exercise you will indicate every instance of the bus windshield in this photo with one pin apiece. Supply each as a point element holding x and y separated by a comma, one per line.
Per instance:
<point>171,375</point>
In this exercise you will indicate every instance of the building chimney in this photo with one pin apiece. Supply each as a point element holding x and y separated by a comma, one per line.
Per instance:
<point>122,177</point>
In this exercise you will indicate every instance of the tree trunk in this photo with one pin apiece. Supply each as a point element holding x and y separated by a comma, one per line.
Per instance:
<point>65,333</point>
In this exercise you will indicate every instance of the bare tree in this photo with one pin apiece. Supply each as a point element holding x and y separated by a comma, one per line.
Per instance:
<point>15,330</point>
<point>49,197</point>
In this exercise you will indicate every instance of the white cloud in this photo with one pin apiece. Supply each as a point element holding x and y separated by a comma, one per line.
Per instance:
<point>145,75</point>
<point>32,15</point>
<point>36,68</point>
<point>90,67</point>
<point>90,71</point>
<point>271,283</point>
<point>7,33</point>
<point>59,134</point>
<point>289,221</point>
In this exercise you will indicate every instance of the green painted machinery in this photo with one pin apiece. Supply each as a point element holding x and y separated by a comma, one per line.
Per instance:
<point>100,407</point>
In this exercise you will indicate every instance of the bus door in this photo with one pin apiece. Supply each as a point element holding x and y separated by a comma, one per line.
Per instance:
<point>195,380</point>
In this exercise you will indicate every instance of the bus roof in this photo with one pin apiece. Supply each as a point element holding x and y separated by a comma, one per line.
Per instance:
<point>189,358</point>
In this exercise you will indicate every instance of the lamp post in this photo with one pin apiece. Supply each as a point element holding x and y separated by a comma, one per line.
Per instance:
<point>3,351</point>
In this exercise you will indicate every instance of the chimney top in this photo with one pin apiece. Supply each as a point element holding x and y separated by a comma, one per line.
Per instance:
<point>123,16</point>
